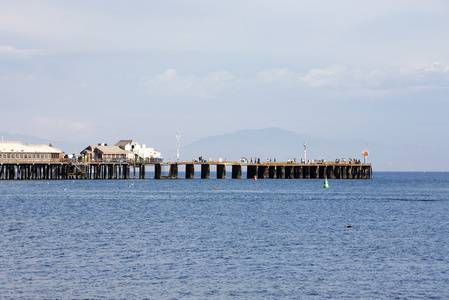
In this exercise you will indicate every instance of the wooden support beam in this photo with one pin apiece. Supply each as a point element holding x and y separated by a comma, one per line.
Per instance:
<point>190,171</point>
<point>289,172</point>
<point>272,172</point>
<point>173,171</point>
<point>157,171</point>
<point>205,171</point>
<point>262,172</point>
<point>236,171</point>
<point>251,171</point>
<point>280,172</point>
<point>221,171</point>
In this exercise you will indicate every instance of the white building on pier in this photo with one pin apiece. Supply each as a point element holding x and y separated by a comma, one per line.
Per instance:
<point>140,151</point>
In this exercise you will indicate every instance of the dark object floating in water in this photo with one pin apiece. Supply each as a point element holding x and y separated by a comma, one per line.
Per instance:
<point>348,226</point>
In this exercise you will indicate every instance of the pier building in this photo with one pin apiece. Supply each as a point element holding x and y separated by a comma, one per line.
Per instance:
<point>105,153</point>
<point>18,152</point>
<point>141,152</point>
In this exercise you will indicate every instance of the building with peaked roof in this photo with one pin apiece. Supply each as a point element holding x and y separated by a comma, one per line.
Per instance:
<point>18,152</point>
<point>105,153</point>
<point>140,151</point>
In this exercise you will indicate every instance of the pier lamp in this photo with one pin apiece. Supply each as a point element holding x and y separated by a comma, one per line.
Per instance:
<point>178,136</point>
<point>305,150</point>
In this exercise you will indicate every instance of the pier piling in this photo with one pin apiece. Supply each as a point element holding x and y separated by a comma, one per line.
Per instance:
<point>157,171</point>
<point>280,172</point>
<point>262,172</point>
<point>205,171</point>
<point>236,171</point>
<point>190,171</point>
<point>173,171</point>
<point>251,171</point>
<point>221,171</point>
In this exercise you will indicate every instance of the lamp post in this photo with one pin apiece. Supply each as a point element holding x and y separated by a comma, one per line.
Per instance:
<point>177,145</point>
<point>305,150</point>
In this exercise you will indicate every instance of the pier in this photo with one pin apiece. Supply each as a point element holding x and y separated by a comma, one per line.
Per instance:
<point>70,170</point>
<point>126,170</point>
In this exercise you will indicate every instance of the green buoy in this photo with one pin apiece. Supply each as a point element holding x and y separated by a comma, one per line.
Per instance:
<point>326,184</point>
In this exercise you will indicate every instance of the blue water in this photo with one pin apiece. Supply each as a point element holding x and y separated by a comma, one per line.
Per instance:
<point>182,239</point>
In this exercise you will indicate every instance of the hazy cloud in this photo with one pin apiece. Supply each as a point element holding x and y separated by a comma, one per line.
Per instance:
<point>331,76</point>
<point>171,84</point>
<point>435,67</point>
<point>340,77</point>
<point>281,75</point>
<point>9,52</point>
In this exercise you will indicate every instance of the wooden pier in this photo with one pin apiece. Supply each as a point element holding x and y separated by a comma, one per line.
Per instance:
<point>344,170</point>
<point>70,170</point>
<point>117,170</point>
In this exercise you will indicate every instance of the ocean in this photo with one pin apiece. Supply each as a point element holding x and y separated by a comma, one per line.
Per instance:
<point>383,238</point>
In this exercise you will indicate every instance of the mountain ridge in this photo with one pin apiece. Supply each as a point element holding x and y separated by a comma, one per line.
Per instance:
<point>267,143</point>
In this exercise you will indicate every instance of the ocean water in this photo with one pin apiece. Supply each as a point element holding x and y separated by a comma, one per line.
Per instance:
<point>265,239</point>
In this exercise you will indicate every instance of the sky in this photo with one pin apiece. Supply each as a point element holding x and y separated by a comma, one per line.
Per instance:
<point>102,71</point>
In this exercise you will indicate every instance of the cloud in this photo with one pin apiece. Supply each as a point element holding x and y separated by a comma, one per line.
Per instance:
<point>9,52</point>
<point>281,75</point>
<point>424,70</point>
<point>332,76</point>
<point>338,77</point>
<point>171,84</point>
<point>22,77</point>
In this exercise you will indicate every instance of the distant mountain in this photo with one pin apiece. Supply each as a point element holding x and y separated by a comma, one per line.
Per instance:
<point>270,143</point>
